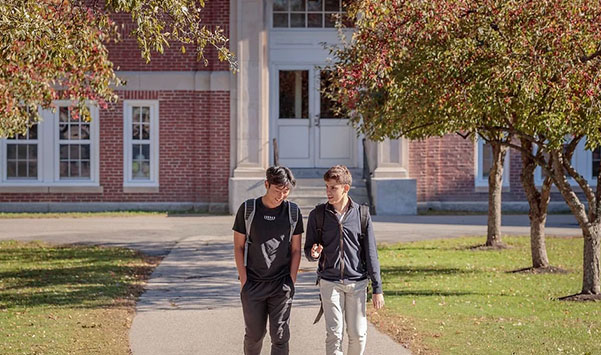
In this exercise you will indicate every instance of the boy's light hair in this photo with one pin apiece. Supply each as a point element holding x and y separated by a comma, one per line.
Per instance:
<point>340,174</point>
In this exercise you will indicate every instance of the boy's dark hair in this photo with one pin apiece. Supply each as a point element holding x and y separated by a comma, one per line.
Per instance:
<point>340,174</point>
<point>280,176</point>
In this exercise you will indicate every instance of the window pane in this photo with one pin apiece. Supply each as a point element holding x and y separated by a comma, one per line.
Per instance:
<point>146,151</point>
<point>314,5</point>
<point>486,159</point>
<point>85,151</point>
<point>63,131</point>
<point>146,114</point>
<point>280,5</point>
<point>297,20</point>
<point>11,151</point>
<point>315,20</point>
<point>33,132</point>
<point>74,169</point>
<point>332,5</point>
<point>63,114</point>
<point>330,20</point>
<point>294,93</point>
<point>22,151</point>
<point>327,106</point>
<point>135,133</point>
<point>146,169</point>
<point>74,152</point>
<point>135,114</point>
<point>64,169</point>
<point>280,20</point>
<point>11,169</point>
<point>85,131</point>
<point>33,169</point>
<point>146,131</point>
<point>33,151</point>
<point>74,132</point>
<point>21,169</point>
<point>297,5</point>
<point>64,151</point>
<point>596,161</point>
<point>85,169</point>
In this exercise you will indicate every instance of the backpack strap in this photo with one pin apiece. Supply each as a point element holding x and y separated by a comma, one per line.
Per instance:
<point>363,214</point>
<point>249,214</point>
<point>320,216</point>
<point>293,216</point>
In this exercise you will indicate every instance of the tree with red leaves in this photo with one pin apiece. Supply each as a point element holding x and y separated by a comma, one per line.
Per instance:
<point>523,74</point>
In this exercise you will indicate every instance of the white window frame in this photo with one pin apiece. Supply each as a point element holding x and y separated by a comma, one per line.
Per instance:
<point>128,180</point>
<point>306,28</point>
<point>479,179</point>
<point>581,161</point>
<point>4,180</point>
<point>48,152</point>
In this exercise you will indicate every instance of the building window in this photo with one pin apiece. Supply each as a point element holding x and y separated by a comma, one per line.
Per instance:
<point>484,162</point>
<point>307,13</point>
<point>22,155</point>
<point>141,143</point>
<point>74,146</point>
<point>595,161</point>
<point>60,150</point>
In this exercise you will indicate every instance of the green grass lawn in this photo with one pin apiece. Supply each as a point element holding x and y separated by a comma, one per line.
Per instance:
<point>444,297</point>
<point>68,300</point>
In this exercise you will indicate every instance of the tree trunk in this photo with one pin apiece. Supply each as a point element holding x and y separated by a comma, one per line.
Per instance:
<point>590,225</point>
<point>495,188</point>
<point>538,203</point>
<point>590,262</point>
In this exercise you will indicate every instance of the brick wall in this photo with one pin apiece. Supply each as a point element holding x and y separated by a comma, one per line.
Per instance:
<point>194,151</point>
<point>443,167</point>
<point>125,55</point>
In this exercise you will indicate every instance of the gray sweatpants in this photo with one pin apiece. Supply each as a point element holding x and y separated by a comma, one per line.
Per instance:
<point>262,299</point>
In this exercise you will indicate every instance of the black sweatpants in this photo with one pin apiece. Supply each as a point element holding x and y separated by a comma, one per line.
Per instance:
<point>262,299</point>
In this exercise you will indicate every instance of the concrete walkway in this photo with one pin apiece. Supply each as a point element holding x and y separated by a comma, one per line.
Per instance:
<point>192,305</point>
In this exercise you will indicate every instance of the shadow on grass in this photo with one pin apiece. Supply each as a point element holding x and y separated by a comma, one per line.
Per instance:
<point>427,293</point>
<point>38,275</point>
<point>428,271</point>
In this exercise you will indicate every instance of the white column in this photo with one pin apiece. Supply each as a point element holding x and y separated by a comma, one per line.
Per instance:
<point>249,100</point>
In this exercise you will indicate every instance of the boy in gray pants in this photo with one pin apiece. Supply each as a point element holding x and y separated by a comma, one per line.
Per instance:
<point>340,235</point>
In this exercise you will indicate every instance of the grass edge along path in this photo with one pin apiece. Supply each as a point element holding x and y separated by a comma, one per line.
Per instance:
<point>58,299</point>
<point>444,296</point>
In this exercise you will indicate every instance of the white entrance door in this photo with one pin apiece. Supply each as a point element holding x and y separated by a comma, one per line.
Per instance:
<point>307,131</point>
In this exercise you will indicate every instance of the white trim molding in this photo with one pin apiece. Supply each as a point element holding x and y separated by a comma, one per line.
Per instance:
<point>174,80</point>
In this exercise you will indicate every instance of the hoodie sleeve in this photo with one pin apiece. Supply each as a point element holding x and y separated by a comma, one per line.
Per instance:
<point>310,235</point>
<point>373,264</point>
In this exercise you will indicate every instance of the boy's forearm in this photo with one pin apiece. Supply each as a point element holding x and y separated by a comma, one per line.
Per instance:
<point>239,258</point>
<point>294,263</point>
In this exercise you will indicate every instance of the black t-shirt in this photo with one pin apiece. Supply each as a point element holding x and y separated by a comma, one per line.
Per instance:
<point>269,248</point>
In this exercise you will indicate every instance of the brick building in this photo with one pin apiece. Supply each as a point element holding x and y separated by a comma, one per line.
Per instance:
<point>184,135</point>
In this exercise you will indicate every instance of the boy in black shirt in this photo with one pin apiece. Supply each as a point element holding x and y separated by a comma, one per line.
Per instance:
<point>267,249</point>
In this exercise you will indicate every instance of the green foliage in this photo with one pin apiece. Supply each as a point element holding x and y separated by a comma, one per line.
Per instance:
<point>459,298</point>
<point>427,68</point>
<point>55,49</point>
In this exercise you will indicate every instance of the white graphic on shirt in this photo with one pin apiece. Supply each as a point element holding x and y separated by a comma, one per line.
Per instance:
<point>269,218</point>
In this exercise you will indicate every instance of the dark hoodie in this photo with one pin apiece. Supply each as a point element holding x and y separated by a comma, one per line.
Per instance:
<point>341,256</point>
